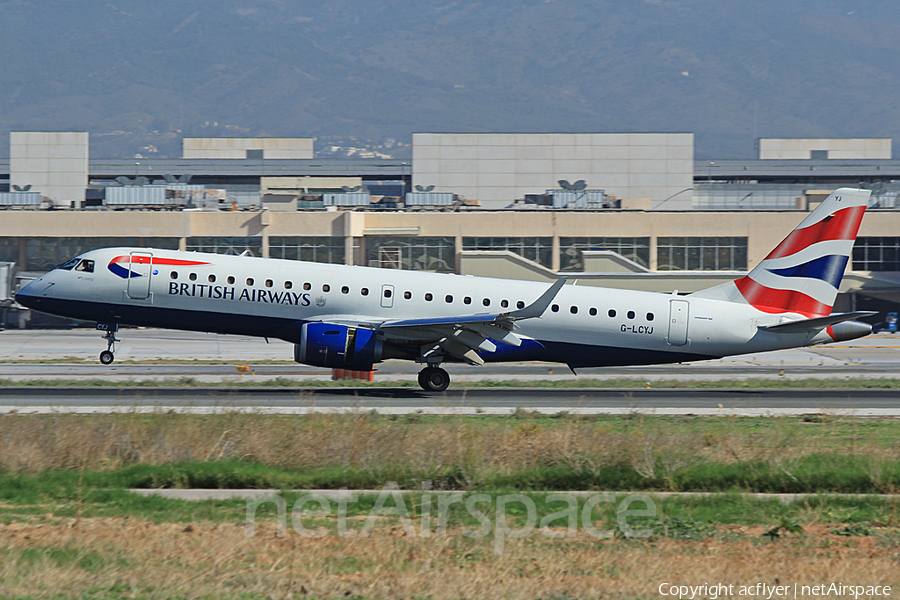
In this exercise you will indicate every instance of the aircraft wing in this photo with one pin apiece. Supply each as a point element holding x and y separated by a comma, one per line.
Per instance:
<point>463,335</point>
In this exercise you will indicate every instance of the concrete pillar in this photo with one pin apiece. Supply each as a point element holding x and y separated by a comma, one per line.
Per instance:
<point>554,245</point>
<point>554,257</point>
<point>457,249</point>
<point>265,219</point>
<point>347,221</point>
<point>23,254</point>
<point>652,263</point>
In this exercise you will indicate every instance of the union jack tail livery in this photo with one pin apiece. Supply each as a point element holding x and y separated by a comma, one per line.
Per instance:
<point>803,273</point>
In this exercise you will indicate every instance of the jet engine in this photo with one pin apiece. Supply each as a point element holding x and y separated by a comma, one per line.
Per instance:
<point>338,347</point>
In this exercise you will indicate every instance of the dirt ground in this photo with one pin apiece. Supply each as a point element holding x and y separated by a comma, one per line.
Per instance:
<point>130,557</point>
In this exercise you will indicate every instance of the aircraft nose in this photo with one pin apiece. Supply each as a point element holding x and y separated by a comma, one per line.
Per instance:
<point>27,294</point>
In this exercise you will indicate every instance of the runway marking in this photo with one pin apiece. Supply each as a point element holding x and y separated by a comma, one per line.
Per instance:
<point>446,411</point>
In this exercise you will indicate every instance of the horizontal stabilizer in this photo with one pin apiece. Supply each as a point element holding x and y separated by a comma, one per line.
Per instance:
<point>807,325</point>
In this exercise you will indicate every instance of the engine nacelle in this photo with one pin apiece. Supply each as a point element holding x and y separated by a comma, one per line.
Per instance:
<point>337,347</point>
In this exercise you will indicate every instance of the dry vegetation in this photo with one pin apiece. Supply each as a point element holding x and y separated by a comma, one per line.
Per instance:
<point>118,554</point>
<point>114,557</point>
<point>469,450</point>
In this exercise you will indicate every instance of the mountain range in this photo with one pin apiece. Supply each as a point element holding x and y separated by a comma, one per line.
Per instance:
<point>140,75</point>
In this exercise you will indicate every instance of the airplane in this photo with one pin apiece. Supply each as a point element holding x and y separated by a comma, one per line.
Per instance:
<point>351,317</point>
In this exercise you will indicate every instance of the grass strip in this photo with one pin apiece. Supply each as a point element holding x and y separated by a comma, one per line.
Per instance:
<point>817,473</point>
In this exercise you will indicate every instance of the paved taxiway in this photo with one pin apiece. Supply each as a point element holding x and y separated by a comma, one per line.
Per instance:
<point>201,357</point>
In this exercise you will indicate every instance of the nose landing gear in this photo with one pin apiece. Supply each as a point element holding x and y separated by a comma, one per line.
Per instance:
<point>434,379</point>
<point>107,356</point>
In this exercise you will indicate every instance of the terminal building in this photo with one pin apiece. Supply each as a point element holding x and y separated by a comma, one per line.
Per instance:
<point>621,210</point>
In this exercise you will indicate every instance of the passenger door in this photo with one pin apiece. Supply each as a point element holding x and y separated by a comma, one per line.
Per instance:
<point>140,271</point>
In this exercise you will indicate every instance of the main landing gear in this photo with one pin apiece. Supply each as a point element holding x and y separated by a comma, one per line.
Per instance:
<point>434,379</point>
<point>107,356</point>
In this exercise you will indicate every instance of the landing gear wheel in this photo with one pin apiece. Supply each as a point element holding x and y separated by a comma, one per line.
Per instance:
<point>434,379</point>
<point>106,357</point>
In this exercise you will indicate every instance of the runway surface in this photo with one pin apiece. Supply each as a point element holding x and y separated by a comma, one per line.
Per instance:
<point>474,401</point>
<point>214,359</point>
<point>201,356</point>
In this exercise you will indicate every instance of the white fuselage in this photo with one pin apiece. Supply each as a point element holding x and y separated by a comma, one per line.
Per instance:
<point>584,326</point>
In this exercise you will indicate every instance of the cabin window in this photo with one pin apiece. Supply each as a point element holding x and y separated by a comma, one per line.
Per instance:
<point>345,289</point>
<point>593,312</point>
<point>520,304</point>
<point>269,283</point>
<point>448,298</point>
<point>288,285</point>
<point>212,278</point>
<point>307,286</point>
<point>573,310</point>
<point>230,279</point>
<point>630,314</point>
<point>388,293</point>
<point>249,281</point>
<point>504,303</point>
<point>555,308</point>
<point>649,316</point>
<point>428,297</point>
<point>612,313</point>
<point>467,300</point>
<point>486,302</point>
<point>174,274</point>
<point>407,295</point>
<point>193,277</point>
<point>326,287</point>
<point>364,291</point>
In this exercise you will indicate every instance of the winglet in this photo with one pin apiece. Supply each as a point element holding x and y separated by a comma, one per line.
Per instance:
<point>537,308</point>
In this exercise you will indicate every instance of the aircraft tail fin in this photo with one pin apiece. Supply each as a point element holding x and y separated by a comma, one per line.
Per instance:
<point>803,273</point>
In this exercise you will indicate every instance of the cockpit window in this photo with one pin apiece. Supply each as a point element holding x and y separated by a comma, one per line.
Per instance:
<point>67,266</point>
<point>86,265</point>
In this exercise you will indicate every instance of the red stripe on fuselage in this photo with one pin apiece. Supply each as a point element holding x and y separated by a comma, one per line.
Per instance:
<point>842,225</point>
<point>772,300</point>
<point>144,260</point>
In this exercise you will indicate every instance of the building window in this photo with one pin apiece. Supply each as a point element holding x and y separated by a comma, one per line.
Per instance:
<point>312,249</point>
<point>225,245</point>
<point>45,253</point>
<point>412,253</point>
<point>538,249</point>
<point>571,250</point>
<point>701,254</point>
<point>876,254</point>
